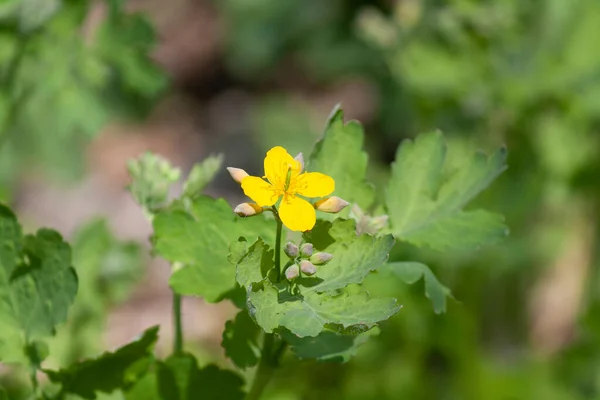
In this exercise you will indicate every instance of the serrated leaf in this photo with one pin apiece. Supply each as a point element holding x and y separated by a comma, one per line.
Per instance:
<point>180,379</point>
<point>354,257</point>
<point>240,340</point>
<point>306,314</point>
<point>425,210</point>
<point>411,272</point>
<point>110,371</point>
<point>199,239</point>
<point>201,175</point>
<point>37,285</point>
<point>328,345</point>
<point>255,264</point>
<point>339,154</point>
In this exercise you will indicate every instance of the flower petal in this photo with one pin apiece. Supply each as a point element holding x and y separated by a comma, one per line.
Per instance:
<point>259,190</point>
<point>277,163</point>
<point>297,214</point>
<point>315,184</point>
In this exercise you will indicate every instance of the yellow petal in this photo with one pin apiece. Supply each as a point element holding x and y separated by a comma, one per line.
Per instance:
<point>277,163</point>
<point>259,190</point>
<point>297,214</point>
<point>315,184</point>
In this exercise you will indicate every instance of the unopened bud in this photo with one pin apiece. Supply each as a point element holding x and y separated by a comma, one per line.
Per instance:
<point>300,158</point>
<point>237,174</point>
<point>321,258</point>
<point>292,272</point>
<point>306,249</point>
<point>291,250</point>
<point>248,209</point>
<point>331,204</point>
<point>308,268</point>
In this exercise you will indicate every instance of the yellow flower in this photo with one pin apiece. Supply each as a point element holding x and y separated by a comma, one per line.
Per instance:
<point>285,180</point>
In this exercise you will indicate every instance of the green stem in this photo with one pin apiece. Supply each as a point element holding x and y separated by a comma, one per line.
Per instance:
<point>265,369</point>
<point>178,341</point>
<point>278,249</point>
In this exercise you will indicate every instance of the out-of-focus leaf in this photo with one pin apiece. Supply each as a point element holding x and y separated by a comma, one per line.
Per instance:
<point>240,340</point>
<point>328,345</point>
<point>411,272</point>
<point>339,154</point>
<point>37,285</point>
<point>200,239</point>
<point>424,210</point>
<point>152,176</point>
<point>305,314</point>
<point>109,371</point>
<point>201,175</point>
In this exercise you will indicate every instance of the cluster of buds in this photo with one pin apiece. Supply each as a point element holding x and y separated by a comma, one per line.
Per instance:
<point>304,260</point>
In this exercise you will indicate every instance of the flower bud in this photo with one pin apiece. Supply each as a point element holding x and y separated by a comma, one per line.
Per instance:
<point>308,268</point>
<point>291,250</point>
<point>300,158</point>
<point>321,258</point>
<point>237,174</point>
<point>331,204</point>
<point>306,249</point>
<point>248,209</point>
<point>292,272</point>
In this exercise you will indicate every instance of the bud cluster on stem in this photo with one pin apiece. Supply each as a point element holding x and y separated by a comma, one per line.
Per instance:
<point>303,260</point>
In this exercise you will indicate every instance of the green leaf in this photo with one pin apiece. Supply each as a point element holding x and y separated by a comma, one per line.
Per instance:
<point>339,154</point>
<point>3,395</point>
<point>354,257</point>
<point>110,371</point>
<point>328,345</point>
<point>37,285</point>
<point>199,239</point>
<point>255,265</point>
<point>426,209</point>
<point>201,175</point>
<point>151,176</point>
<point>411,272</point>
<point>305,314</point>
<point>180,379</point>
<point>240,340</point>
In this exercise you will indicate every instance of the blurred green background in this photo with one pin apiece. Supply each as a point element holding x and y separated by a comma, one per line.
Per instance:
<point>85,85</point>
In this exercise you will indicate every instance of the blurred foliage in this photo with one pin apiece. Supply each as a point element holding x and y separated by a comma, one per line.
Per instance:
<point>58,88</point>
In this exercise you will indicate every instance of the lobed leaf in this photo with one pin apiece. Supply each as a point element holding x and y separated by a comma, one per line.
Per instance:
<point>426,209</point>
<point>339,154</point>
<point>201,175</point>
<point>240,340</point>
<point>37,285</point>
<point>410,272</point>
<point>199,239</point>
<point>110,371</point>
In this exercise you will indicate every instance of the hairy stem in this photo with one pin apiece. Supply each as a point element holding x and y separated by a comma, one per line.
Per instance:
<point>178,326</point>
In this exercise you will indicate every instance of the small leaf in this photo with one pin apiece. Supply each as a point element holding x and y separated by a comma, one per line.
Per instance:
<point>201,175</point>
<point>110,371</point>
<point>339,154</point>
<point>240,340</point>
<point>254,266</point>
<point>354,257</point>
<point>180,379</point>
<point>199,239</point>
<point>423,210</point>
<point>151,176</point>
<point>411,272</point>
<point>306,314</point>
<point>37,285</point>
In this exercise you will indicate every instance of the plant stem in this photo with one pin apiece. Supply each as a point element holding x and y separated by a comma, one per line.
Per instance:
<point>265,369</point>
<point>278,249</point>
<point>178,341</point>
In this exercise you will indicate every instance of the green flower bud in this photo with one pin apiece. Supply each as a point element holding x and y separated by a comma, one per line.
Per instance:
<point>292,272</point>
<point>308,268</point>
<point>291,250</point>
<point>237,174</point>
<point>248,209</point>
<point>321,258</point>
<point>331,204</point>
<point>306,249</point>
